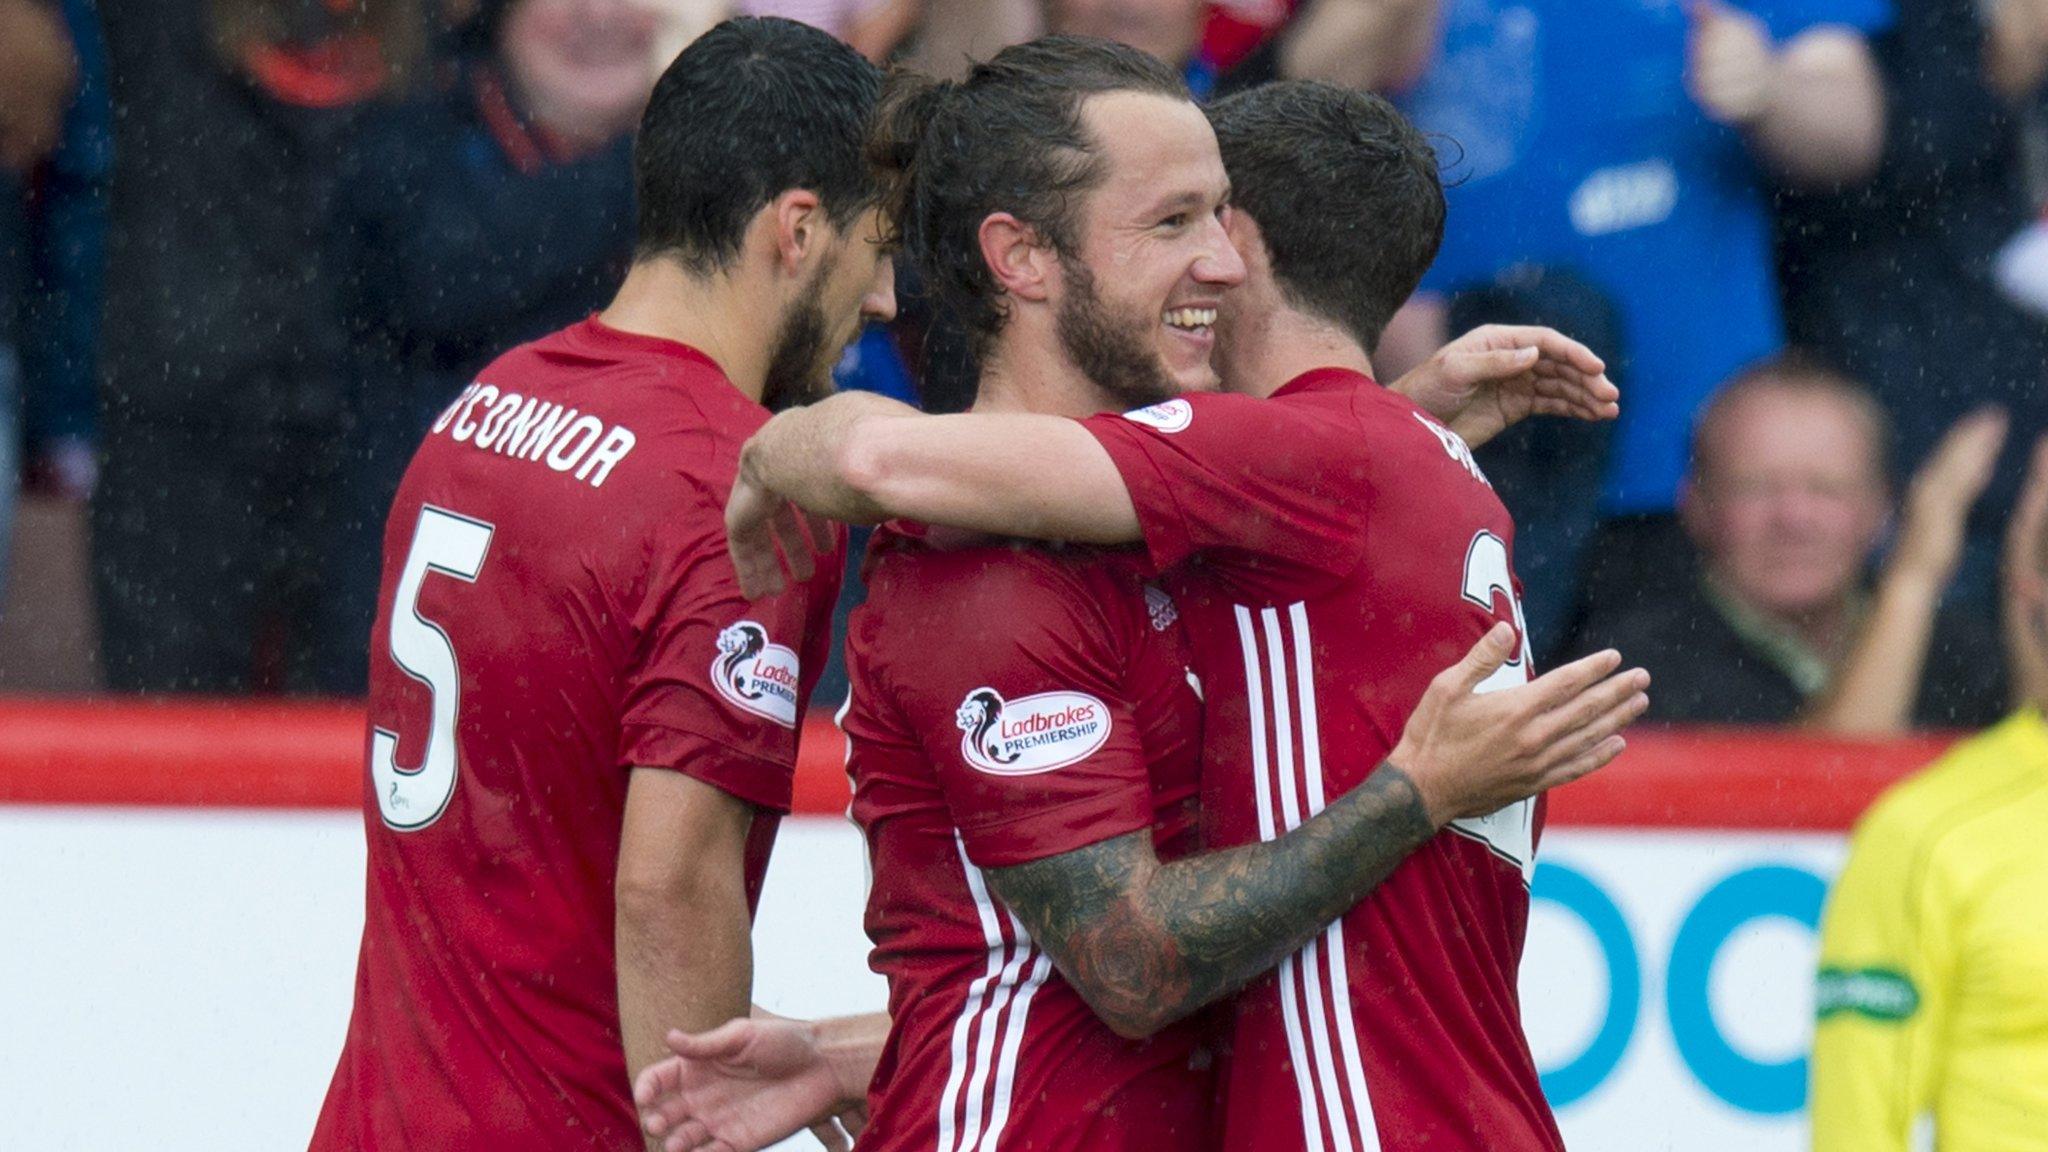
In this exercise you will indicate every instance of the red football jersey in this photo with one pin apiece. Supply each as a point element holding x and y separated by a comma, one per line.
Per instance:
<point>1332,549</point>
<point>557,608</point>
<point>1012,703</point>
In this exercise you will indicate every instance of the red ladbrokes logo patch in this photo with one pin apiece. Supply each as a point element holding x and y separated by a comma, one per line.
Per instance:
<point>755,674</point>
<point>1030,735</point>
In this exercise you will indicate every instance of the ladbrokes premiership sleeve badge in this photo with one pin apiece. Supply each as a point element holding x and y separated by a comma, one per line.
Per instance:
<point>1034,734</point>
<point>755,674</point>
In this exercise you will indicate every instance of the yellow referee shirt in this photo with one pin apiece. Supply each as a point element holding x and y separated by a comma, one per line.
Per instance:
<point>1933,993</point>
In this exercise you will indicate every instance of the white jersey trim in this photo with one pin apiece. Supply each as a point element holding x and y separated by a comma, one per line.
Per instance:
<point>1262,789</point>
<point>989,1032</point>
<point>1314,982</point>
<point>1333,936</point>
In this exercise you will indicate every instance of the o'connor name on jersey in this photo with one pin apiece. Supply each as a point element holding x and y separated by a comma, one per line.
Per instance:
<point>526,428</point>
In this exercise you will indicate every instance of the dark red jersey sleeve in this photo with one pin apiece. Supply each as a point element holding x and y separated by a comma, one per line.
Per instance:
<point>1015,688</point>
<point>715,685</point>
<point>1259,478</point>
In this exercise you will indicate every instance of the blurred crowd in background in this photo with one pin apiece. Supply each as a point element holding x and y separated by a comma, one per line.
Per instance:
<point>248,249</point>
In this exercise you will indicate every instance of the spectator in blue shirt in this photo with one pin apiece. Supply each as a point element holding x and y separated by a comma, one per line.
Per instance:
<point>1633,144</point>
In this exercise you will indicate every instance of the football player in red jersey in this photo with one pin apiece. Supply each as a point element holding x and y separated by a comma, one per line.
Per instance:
<point>1059,849</point>
<point>1329,544</point>
<point>581,735</point>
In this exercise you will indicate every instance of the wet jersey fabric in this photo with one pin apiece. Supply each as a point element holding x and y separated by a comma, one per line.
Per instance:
<point>557,608</point>
<point>1331,549</point>
<point>1012,703</point>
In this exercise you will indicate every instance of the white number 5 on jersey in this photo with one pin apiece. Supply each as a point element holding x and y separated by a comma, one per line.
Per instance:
<point>1510,832</point>
<point>452,545</point>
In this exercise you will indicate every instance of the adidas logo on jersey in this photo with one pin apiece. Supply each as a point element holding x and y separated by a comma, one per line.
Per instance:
<point>755,674</point>
<point>1030,735</point>
<point>1159,606</point>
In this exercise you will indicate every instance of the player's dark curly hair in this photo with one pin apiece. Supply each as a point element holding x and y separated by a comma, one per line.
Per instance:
<point>1345,191</point>
<point>1008,138</point>
<point>753,108</point>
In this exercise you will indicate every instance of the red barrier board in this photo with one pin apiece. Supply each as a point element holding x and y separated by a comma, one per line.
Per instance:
<point>242,754</point>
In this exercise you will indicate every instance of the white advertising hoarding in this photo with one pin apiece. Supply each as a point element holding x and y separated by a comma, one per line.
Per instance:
<point>181,978</point>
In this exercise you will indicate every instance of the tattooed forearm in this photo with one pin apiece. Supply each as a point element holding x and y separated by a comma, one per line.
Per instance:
<point>1147,943</point>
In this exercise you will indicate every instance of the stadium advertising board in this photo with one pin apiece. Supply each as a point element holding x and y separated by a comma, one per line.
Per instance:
<point>1667,983</point>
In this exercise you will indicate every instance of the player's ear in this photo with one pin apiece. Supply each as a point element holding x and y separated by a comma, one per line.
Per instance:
<point>1022,263</point>
<point>1246,237</point>
<point>800,228</point>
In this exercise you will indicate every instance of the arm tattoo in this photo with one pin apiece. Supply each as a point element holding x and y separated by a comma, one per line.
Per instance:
<point>1147,943</point>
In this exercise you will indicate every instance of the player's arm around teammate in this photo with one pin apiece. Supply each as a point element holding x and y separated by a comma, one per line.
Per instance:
<point>1148,943</point>
<point>863,458</point>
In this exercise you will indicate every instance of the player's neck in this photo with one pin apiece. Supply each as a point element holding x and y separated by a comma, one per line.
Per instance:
<point>715,315</point>
<point>1015,380</point>
<point>1286,344</point>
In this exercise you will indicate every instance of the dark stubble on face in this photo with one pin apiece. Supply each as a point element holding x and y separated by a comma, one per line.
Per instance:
<point>1115,352</point>
<point>800,368</point>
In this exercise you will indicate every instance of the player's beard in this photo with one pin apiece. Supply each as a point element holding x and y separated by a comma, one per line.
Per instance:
<point>800,368</point>
<point>1113,350</point>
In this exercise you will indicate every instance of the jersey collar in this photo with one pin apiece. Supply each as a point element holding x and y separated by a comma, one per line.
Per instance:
<point>1325,380</point>
<point>597,336</point>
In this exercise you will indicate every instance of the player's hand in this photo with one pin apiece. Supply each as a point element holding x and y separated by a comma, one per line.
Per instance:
<point>1470,753</point>
<point>2026,584</point>
<point>745,1085</point>
<point>1939,498</point>
<point>1731,65</point>
<point>768,535</point>
<point>1498,375</point>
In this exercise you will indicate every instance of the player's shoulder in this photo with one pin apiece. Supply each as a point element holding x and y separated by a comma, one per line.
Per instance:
<point>1326,405</point>
<point>1381,409</point>
<point>946,629</point>
<point>677,399</point>
<point>990,590</point>
<point>654,372</point>
<point>1314,409</point>
<point>596,432</point>
<point>1933,811</point>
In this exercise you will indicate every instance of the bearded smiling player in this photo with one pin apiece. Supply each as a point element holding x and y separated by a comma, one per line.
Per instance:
<point>582,734</point>
<point>1062,866</point>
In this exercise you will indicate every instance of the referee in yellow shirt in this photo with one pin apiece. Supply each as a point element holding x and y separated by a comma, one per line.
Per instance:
<point>1933,991</point>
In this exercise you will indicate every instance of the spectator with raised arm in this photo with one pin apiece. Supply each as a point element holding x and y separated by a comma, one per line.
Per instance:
<point>1637,146</point>
<point>1898,646</point>
<point>1894,281</point>
<point>1786,502</point>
